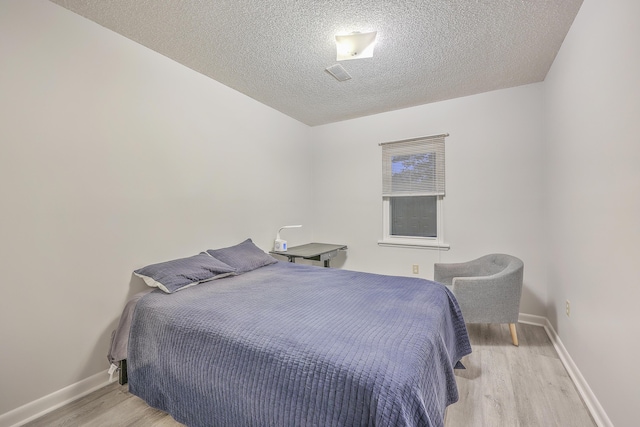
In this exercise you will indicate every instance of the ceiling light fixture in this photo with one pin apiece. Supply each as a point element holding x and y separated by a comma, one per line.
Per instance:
<point>355,45</point>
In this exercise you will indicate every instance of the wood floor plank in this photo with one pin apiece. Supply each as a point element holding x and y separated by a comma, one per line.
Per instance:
<point>538,341</point>
<point>531,406</point>
<point>495,385</point>
<point>541,390</point>
<point>77,412</point>
<point>502,385</point>
<point>132,412</point>
<point>562,395</point>
<point>468,413</point>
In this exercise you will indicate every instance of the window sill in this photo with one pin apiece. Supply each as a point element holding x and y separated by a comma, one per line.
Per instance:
<point>414,244</point>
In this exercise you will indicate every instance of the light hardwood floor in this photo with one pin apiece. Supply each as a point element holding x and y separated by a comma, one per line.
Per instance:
<point>502,385</point>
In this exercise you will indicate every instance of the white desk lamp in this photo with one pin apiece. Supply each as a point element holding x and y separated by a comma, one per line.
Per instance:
<point>281,245</point>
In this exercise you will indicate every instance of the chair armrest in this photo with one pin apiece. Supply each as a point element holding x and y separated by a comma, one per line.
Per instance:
<point>494,298</point>
<point>472,287</point>
<point>445,272</point>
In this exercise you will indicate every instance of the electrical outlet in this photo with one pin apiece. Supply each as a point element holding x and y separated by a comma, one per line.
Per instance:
<point>568,308</point>
<point>416,269</point>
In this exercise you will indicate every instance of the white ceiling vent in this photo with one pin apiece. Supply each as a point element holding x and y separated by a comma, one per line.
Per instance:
<point>338,72</point>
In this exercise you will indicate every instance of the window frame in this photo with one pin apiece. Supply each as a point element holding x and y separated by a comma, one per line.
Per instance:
<point>388,239</point>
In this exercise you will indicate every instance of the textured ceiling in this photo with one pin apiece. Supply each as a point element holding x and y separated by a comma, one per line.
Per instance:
<point>276,51</point>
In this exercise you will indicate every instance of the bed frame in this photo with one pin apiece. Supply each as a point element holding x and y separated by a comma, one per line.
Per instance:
<point>122,372</point>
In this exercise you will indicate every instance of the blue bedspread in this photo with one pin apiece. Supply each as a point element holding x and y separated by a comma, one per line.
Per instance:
<point>297,345</point>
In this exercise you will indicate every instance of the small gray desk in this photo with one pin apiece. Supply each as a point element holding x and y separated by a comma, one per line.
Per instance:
<point>313,251</point>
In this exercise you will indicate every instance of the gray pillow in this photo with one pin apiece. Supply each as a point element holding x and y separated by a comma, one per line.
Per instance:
<point>244,257</point>
<point>177,274</point>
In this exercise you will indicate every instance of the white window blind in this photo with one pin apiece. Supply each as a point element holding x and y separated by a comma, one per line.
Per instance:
<point>413,167</point>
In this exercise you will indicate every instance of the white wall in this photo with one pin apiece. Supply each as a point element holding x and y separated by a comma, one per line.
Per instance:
<point>592,104</point>
<point>494,184</point>
<point>113,157</point>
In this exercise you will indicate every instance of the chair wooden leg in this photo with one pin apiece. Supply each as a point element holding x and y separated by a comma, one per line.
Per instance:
<point>514,334</point>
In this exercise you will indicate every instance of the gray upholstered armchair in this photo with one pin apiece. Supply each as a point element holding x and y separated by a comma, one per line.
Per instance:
<point>488,289</point>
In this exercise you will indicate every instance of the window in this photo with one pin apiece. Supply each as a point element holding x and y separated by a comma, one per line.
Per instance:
<point>413,192</point>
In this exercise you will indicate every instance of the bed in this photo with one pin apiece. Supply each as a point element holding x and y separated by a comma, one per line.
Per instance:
<point>287,344</point>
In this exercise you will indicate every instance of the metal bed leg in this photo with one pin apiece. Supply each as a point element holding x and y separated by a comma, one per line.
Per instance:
<point>122,372</point>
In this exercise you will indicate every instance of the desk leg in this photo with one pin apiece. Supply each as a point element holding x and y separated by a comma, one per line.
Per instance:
<point>326,263</point>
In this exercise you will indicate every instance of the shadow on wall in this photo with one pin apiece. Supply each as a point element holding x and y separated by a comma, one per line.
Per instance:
<point>337,262</point>
<point>553,278</point>
<point>340,259</point>
<point>531,298</point>
<point>103,341</point>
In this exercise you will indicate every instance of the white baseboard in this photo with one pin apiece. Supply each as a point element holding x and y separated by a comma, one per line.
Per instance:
<point>590,399</point>
<point>53,401</point>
